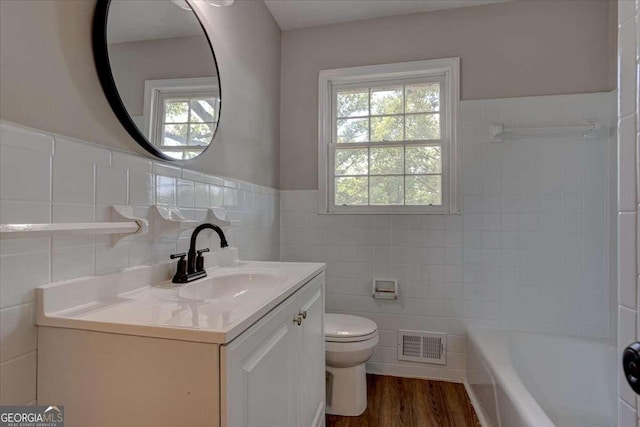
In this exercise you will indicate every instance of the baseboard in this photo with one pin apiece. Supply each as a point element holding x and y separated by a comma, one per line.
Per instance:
<point>402,371</point>
<point>482,417</point>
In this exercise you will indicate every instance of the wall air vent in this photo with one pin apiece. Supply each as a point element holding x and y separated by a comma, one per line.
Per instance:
<point>426,347</point>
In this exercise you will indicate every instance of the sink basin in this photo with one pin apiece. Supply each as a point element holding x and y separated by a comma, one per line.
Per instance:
<point>231,286</point>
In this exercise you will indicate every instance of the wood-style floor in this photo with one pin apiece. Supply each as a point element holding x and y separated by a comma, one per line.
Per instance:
<point>410,402</point>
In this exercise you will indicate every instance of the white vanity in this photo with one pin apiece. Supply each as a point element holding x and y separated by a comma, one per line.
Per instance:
<point>242,347</point>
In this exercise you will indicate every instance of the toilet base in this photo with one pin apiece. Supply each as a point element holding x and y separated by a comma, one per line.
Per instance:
<point>348,391</point>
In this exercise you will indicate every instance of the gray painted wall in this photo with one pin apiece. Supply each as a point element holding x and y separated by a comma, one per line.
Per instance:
<point>520,48</point>
<point>48,81</point>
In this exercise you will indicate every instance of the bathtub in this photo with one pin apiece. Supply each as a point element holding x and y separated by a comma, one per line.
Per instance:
<point>523,379</point>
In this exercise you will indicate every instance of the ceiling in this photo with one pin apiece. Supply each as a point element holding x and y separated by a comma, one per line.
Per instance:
<point>292,14</point>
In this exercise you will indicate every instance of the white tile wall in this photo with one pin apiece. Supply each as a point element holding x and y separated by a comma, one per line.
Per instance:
<point>530,250</point>
<point>628,173</point>
<point>47,178</point>
<point>527,252</point>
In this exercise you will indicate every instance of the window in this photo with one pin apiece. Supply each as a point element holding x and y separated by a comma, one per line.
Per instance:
<point>182,115</point>
<point>387,140</point>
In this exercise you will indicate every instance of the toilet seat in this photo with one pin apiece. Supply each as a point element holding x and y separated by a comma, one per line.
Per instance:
<point>354,347</point>
<point>350,339</point>
<point>347,328</point>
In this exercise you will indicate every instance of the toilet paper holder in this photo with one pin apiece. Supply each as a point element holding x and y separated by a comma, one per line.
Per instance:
<point>385,289</point>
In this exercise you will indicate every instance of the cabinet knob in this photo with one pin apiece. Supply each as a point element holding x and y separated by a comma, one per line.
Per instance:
<point>298,319</point>
<point>304,314</point>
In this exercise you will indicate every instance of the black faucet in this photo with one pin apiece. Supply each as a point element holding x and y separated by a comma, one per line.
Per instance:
<point>193,268</point>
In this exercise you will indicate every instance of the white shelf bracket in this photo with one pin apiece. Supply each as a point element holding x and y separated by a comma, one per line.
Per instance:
<point>169,223</point>
<point>218,216</point>
<point>124,213</point>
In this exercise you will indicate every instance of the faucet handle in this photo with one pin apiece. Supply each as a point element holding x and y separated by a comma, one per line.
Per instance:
<point>181,271</point>
<point>200,259</point>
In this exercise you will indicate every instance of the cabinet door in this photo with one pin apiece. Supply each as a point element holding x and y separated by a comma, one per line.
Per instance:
<point>312,358</point>
<point>258,385</point>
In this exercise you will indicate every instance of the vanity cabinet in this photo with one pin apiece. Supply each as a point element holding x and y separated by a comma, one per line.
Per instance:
<point>270,375</point>
<point>311,379</point>
<point>273,375</point>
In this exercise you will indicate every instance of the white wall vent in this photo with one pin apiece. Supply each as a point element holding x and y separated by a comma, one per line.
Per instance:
<point>427,347</point>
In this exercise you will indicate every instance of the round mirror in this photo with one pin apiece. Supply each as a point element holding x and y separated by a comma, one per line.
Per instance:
<point>158,70</point>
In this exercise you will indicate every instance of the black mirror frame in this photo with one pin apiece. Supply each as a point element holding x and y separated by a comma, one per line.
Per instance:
<point>103,67</point>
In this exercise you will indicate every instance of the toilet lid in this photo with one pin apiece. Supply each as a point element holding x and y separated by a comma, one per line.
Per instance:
<point>347,326</point>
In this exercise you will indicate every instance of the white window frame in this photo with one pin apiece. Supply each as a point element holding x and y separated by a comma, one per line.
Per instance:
<point>448,70</point>
<point>155,91</point>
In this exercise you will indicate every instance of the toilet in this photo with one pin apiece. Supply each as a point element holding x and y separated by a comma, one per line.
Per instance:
<point>349,342</point>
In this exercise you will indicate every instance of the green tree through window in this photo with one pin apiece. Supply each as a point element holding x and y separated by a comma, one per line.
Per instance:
<point>388,148</point>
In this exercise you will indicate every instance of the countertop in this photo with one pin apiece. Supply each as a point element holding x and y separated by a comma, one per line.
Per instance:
<point>133,302</point>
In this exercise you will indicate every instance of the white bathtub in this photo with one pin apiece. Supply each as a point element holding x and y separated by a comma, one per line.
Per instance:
<point>538,380</point>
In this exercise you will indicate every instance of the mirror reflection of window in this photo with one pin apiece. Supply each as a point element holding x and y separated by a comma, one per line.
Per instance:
<point>186,123</point>
<point>181,115</point>
<point>187,126</point>
<point>165,74</point>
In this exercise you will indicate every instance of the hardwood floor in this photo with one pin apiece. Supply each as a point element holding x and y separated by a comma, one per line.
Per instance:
<point>410,402</point>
